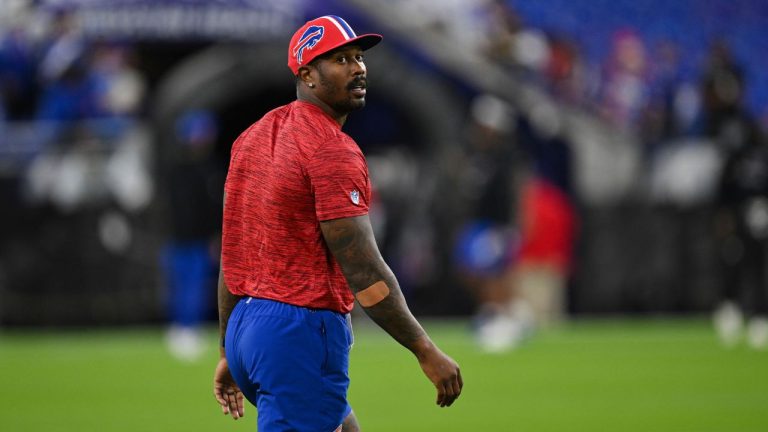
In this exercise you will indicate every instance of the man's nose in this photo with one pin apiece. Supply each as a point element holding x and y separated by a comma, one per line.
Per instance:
<point>359,67</point>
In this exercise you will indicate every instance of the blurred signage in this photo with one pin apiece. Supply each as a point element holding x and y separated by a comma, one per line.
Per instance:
<point>183,19</point>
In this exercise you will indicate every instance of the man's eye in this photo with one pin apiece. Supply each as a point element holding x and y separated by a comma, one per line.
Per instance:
<point>341,59</point>
<point>360,58</point>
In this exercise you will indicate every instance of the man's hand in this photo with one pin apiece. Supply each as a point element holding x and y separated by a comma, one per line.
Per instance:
<point>444,374</point>
<point>225,390</point>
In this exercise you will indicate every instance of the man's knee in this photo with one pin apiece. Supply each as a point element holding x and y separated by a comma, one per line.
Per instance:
<point>350,423</point>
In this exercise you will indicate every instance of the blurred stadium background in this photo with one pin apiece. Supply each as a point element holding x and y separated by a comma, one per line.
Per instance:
<point>620,126</point>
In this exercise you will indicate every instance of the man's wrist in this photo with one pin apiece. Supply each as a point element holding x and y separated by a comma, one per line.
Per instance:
<point>422,346</point>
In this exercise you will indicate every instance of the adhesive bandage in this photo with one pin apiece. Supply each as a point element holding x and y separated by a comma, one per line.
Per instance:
<point>373,294</point>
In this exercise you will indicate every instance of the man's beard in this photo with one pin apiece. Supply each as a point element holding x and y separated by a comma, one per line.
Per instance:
<point>345,105</point>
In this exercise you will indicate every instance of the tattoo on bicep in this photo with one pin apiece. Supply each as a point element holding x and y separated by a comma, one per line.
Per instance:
<point>355,250</point>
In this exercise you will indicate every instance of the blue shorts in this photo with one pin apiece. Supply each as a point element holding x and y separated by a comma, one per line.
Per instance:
<point>292,363</point>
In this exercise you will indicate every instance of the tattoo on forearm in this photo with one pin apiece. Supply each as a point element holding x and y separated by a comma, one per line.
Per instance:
<point>393,316</point>
<point>353,245</point>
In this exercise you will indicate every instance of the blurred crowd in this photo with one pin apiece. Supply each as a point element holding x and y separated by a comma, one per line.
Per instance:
<point>640,83</point>
<point>50,71</point>
<point>697,145</point>
<point>70,109</point>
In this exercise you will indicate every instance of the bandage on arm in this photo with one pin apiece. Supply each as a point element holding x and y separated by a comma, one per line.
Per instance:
<point>373,294</point>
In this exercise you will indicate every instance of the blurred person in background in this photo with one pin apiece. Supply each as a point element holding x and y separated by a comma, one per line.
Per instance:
<point>71,95</point>
<point>742,213</point>
<point>522,49</point>
<point>723,91</point>
<point>195,180</point>
<point>488,243</point>
<point>624,90</point>
<point>565,72</point>
<point>659,122</point>
<point>120,87</point>
<point>503,25</point>
<point>18,70</point>
<point>742,228</point>
<point>68,87</point>
<point>94,81</point>
<point>547,219</point>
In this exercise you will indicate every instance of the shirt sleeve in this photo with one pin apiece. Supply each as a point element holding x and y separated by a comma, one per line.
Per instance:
<point>338,174</point>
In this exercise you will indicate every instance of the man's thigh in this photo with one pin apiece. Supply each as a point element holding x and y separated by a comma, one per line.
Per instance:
<point>290,365</point>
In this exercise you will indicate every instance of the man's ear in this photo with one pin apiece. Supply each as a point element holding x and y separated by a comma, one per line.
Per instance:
<point>305,75</point>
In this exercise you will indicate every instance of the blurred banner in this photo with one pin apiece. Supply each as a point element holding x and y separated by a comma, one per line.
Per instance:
<point>183,19</point>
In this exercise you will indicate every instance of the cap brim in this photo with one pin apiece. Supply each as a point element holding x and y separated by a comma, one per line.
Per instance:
<point>366,41</point>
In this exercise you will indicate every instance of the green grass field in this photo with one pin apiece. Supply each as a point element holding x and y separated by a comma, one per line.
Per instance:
<point>588,375</point>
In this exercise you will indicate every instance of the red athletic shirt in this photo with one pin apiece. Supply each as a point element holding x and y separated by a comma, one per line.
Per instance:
<point>289,171</point>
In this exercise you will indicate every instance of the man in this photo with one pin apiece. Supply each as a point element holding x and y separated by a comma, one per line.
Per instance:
<point>194,183</point>
<point>298,249</point>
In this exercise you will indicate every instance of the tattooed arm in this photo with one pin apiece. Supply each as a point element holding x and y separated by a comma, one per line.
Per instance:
<point>353,245</point>
<point>226,302</point>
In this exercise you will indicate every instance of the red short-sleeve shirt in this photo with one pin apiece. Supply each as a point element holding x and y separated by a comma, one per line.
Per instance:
<point>289,171</point>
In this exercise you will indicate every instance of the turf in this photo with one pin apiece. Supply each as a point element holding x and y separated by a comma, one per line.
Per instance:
<point>594,375</point>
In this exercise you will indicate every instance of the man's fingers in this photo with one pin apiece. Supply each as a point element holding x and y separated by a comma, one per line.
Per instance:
<point>440,393</point>
<point>220,399</point>
<point>447,396</point>
<point>226,392</point>
<point>240,404</point>
<point>448,391</point>
<point>232,404</point>
<point>457,385</point>
<point>217,393</point>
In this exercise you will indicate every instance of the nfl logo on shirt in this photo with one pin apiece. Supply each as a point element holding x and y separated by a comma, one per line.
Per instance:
<point>355,197</point>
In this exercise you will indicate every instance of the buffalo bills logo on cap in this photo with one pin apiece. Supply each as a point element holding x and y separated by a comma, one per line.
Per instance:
<point>308,40</point>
